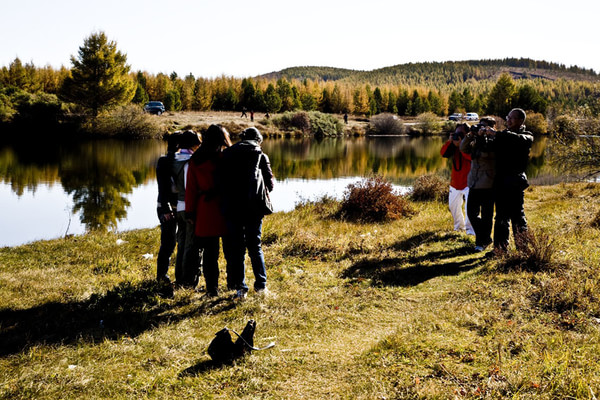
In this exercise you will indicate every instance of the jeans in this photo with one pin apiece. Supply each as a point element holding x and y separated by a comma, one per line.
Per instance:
<point>189,258</point>
<point>509,209</point>
<point>168,239</point>
<point>244,232</point>
<point>480,210</point>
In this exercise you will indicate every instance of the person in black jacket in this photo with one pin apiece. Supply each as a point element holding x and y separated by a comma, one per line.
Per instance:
<point>512,147</point>
<point>166,207</point>
<point>241,165</point>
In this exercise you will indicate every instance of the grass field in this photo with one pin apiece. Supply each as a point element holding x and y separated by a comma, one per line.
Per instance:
<point>358,311</point>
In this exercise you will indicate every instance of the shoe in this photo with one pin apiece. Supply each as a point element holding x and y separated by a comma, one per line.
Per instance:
<point>240,295</point>
<point>478,249</point>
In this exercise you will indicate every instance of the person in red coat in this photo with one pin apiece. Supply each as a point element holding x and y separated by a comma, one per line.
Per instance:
<point>203,202</point>
<point>459,190</point>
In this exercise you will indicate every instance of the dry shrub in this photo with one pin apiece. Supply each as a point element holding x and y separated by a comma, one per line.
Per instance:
<point>129,122</point>
<point>430,187</point>
<point>373,200</point>
<point>536,251</point>
<point>386,124</point>
<point>536,123</point>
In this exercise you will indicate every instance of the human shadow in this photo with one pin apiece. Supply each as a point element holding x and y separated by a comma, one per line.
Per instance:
<point>127,310</point>
<point>392,271</point>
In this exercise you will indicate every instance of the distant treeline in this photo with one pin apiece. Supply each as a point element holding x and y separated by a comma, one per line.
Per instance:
<point>485,87</point>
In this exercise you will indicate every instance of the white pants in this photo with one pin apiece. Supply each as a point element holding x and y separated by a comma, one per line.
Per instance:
<point>457,202</point>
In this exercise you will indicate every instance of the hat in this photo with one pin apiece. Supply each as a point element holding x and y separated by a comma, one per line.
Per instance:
<point>251,134</point>
<point>189,139</point>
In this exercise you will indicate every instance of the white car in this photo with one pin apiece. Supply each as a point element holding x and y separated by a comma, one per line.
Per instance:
<point>472,117</point>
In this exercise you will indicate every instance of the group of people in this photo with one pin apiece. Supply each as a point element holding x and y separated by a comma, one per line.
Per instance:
<point>208,192</point>
<point>488,169</point>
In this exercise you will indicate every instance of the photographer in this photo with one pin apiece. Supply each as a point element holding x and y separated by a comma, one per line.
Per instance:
<point>459,191</point>
<point>511,147</point>
<point>480,207</point>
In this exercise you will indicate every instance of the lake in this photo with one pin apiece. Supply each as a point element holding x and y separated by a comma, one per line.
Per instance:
<point>54,189</point>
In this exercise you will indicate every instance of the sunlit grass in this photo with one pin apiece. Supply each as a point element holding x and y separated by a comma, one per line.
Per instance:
<point>401,309</point>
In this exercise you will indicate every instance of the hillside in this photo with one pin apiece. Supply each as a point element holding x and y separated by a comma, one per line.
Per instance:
<point>435,73</point>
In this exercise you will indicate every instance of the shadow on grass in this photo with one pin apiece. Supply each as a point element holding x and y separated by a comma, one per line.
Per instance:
<point>127,310</point>
<point>393,272</point>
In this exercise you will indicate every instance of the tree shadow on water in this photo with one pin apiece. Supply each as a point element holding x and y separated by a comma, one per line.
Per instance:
<point>128,309</point>
<point>393,272</point>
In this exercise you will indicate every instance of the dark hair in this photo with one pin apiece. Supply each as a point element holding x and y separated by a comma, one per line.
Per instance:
<point>465,128</point>
<point>251,134</point>
<point>214,139</point>
<point>189,139</point>
<point>520,113</point>
<point>172,140</point>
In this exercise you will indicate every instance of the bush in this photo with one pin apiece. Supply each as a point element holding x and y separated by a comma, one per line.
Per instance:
<point>6,108</point>
<point>386,123</point>
<point>129,122</point>
<point>536,123</point>
<point>325,124</point>
<point>428,123</point>
<point>373,200</point>
<point>535,251</point>
<point>430,187</point>
<point>565,128</point>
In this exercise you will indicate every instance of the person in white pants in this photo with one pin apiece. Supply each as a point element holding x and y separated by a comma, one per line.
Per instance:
<point>459,190</point>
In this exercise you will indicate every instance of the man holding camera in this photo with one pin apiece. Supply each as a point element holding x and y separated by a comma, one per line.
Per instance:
<point>480,207</point>
<point>511,147</point>
<point>459,191</point>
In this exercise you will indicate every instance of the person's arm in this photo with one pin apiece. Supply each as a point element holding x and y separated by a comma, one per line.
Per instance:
<point>165,184</point>
<point>191,194</point>
<point>267,173</point>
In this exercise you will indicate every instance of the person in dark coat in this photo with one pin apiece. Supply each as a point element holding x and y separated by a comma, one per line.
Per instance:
<point>242,164</point>
<point>512,147</point>
<point>166,208</point>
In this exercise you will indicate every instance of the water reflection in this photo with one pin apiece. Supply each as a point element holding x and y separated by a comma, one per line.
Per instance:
<point>112,184</point>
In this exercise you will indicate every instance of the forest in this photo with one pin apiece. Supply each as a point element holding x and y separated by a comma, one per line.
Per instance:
<point>51,95</point>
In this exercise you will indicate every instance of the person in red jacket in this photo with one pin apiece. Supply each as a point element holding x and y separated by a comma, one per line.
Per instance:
<point>203,201</point>
<point>459,190</point>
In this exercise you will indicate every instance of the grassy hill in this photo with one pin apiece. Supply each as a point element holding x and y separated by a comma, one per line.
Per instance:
<point>358,311</point>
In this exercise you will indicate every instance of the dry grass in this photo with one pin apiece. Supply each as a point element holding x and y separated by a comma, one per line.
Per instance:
<point>400,309</point>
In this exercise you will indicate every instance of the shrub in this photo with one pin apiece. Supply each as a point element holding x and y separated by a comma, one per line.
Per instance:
<point>430,187</point>
<point>428,123</point>
<point>127,122</point>
<point>386,123</point>
<point>535,251</point>
<point>565,128</point>
<point>373,200</point>
<point>536,123</point>
<point>325,124</point>
<point>6,108</point>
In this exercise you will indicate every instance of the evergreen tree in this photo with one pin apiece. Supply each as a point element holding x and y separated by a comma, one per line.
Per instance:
<point>402,102</point>
<point>140,96</point>
<point>272,99</point>
<point>100,76</point>
<point>173,101</point>
<point>378,99</point>
<point>501,97</point>
<point>454,102</point>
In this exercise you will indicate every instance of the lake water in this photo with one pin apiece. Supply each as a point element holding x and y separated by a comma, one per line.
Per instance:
<point>50,190</point>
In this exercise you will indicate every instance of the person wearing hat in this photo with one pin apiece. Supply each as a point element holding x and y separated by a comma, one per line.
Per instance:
<point>187,264</point>
<point>239,180</point>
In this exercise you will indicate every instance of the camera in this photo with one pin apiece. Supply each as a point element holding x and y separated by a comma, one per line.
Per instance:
<point>475,128</point>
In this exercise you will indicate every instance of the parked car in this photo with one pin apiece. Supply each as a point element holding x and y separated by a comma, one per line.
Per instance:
<point>154,107</point>
<point>472,117</point>
<point>455,117</point>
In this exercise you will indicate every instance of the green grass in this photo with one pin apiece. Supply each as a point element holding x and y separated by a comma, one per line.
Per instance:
<point>358,311</point>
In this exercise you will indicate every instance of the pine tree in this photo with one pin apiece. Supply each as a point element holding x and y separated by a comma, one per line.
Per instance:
<point>501,97</point>
<point>99,77</point>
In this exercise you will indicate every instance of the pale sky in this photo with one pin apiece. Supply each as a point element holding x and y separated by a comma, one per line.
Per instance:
<point>248,38</point>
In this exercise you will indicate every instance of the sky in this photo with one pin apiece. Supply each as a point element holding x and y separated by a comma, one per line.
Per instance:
<point>248,38</point>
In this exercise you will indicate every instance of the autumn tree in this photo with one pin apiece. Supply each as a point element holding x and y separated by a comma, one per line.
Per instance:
<point>99,76</point>
<point>501,97</point>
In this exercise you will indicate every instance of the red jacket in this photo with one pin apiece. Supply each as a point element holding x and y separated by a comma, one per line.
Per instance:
<point>201,198</point>
<point>461,165</point>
